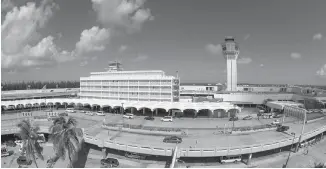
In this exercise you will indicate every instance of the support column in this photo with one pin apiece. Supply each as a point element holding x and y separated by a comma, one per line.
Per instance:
<point>104,153</point>
<point>143,111</point>
<point>132,110</point>
<point>156,112</point>
<point>249,159</point>
<point>229,114</point>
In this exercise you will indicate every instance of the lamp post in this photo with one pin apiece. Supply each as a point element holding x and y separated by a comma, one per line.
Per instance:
<point>287,160</point>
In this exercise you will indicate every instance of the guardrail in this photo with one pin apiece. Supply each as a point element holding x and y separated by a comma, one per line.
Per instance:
<point>186,152</point>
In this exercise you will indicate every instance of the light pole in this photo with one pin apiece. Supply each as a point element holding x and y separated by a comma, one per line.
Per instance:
<point>302,130</point>
<point>287,160</point>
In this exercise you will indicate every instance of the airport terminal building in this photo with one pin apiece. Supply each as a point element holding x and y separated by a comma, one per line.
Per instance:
<point>117,84</point>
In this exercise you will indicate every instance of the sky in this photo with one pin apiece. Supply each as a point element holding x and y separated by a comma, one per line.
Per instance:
<point>281,42</point>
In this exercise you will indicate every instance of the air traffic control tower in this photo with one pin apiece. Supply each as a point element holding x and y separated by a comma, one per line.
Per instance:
<point>231,52</point>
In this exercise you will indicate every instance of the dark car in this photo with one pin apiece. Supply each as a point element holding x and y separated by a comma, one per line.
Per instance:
<point>282,128</point>
<point>110,162</point>
<point>149,118</point>
<point>135,156</point>
<point>234,119</point>
<point>22,160</point>
<point>63,114</point>
<point>172,139</point>
<point>277,116</point>
<point>11,143</point>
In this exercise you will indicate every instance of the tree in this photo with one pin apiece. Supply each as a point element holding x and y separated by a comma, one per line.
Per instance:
<point>28,134</point>
<point>67,140</point>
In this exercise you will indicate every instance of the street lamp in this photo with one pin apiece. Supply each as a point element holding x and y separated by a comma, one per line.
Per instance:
<point>286,163</point>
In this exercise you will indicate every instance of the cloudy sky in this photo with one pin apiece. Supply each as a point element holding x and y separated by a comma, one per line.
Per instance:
<point>280,41</point>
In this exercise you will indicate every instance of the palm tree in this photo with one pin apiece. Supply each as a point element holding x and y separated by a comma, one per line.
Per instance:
<point>67,140</point>
<point>29,135</point>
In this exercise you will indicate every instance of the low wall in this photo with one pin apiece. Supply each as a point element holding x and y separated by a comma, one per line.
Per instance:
<point>145,132</point>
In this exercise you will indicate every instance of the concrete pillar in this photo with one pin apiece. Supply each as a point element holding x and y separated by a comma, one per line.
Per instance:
<point>156,112</point>
<point>143,111</point>
<point>132,110</point>
<point>229,114</point>
<point>104,153</point>
<point>249,159</point>
<point>322,135</point>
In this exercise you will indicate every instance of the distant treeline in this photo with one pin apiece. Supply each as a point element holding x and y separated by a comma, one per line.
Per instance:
<point>38,85</point>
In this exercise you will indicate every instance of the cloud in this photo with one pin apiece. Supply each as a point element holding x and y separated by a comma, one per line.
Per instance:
<point>122,48</point>
<point>214,49</point>
<point>93,39</point>
<point>318,36</point>
<point>6,5</point>
<point>322,71</point>
<point>140,58</point>
<point>20,30</point>
<point>246,37</point>
<point>261,65</point>
<point>83,63</point>
<point>295,55</point>
<point>244,60</point>
<point>127,14</point>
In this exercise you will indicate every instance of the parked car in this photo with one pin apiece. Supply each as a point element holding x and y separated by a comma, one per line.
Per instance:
<point>277,116</point>
<point>110,162</point>
<point>22,160</point>
<point>135,156</point>
<point>82,111</point>
<point>70,110</point>
<point>172,139</point>
<point>100,113</point>
<point>167,119</point>
<point>247,118</point>
<point>234,119</point>
<point>63,114</point>
<point>128,116</point>
<point>90,113</point>
<point>149,118</point>
<point>276,122</point>
<point>282,128</point>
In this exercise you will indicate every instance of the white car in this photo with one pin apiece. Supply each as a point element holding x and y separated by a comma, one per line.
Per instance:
<point>128,116</point>
<point>276,122</point>
<point>70,110</point>
<point>167,119</point>
<point>100,113</point>
<point>90,113</point>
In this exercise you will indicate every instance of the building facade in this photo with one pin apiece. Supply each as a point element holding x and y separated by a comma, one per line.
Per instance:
<point>116,84</point>
<point>231,52</point>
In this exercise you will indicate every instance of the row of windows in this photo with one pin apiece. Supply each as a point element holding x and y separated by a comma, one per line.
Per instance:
<point>126,96</point>
<point>140,93</point>
<point>126,99</point>
<point>125,81</point>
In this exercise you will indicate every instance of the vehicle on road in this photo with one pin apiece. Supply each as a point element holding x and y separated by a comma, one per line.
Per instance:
<point>135,156</point>
<point>4,151</point>
<point>110,162</point>
<point>172,139</point>
<point>22,160</point>
<point>82,111</point>
<point>277,116</point>
<point>247,118</point>
<point>70,110</point>
<point>100,113</point>
<point>128,116</point>
<point>149,118</point>
<point>276,122</point>
<point>234,119</point>
<point>282,128</point>
<point>231,159</point>
<point>90,113</point>
<point>167,119</point>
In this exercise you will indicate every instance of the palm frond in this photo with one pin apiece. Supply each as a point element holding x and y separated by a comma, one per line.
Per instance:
<point>72,122</point>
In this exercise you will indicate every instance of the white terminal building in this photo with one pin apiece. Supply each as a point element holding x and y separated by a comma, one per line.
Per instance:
<point>117,84</point>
